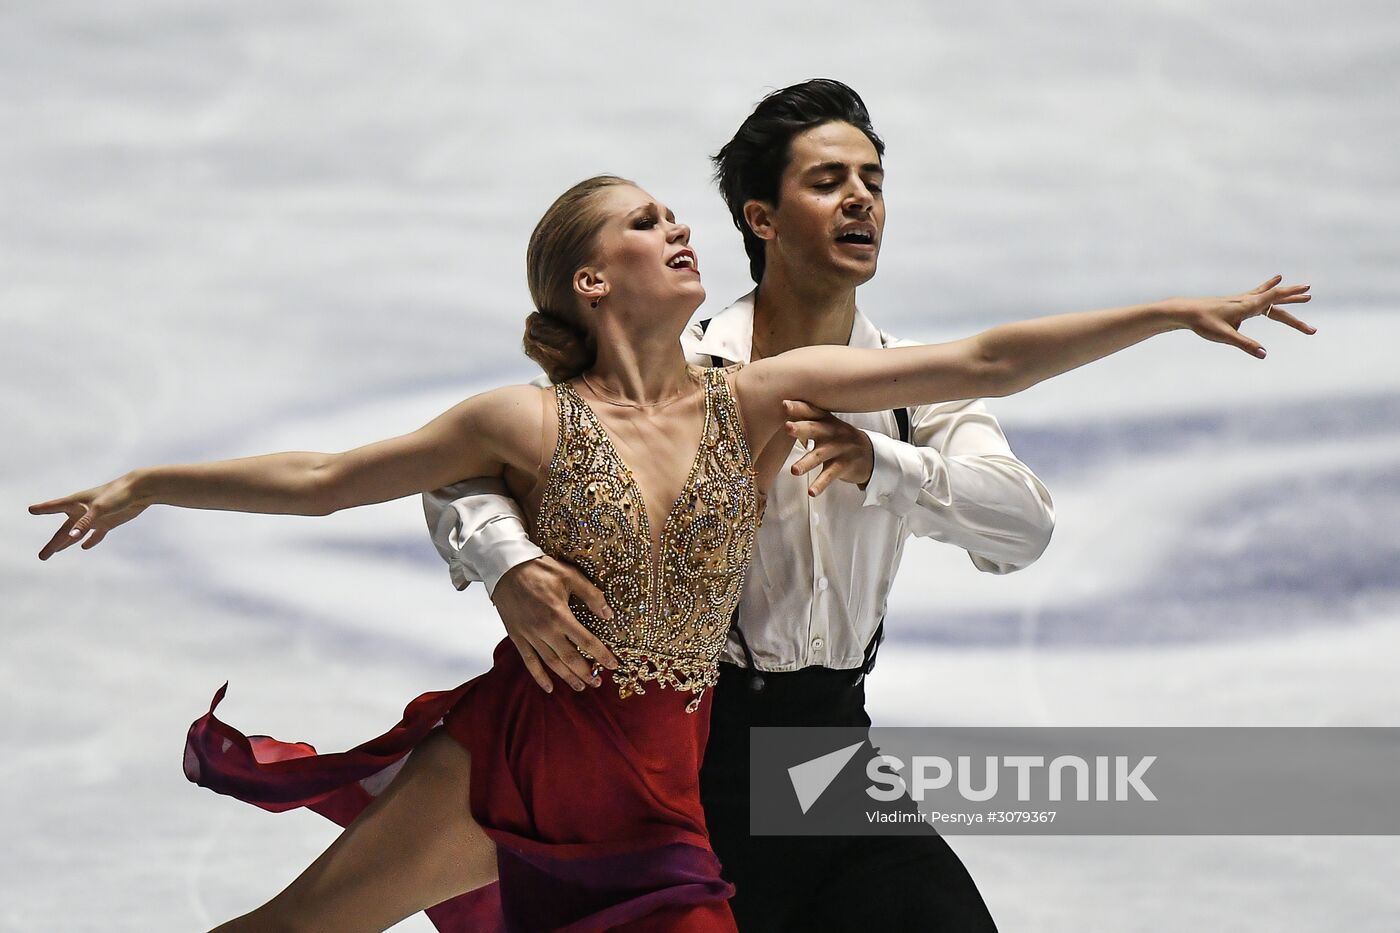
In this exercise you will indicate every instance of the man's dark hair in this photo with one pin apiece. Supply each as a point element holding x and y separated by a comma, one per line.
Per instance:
<point>750,166</point>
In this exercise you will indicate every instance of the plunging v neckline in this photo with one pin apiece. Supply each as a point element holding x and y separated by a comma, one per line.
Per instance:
<point>654,546</point>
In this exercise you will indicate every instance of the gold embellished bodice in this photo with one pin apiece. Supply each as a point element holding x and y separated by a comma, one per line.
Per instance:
<point>670,615</point>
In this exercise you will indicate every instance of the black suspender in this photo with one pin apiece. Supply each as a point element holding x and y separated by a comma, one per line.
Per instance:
<point>716,361</point>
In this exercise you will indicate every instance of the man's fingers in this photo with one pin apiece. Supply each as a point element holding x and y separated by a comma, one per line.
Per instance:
<point>802,411</point>
<point>829,473</point>
<point>587,641</point>
<point>572,667</point>
<point>592,597</point>
<point>532,664</point>
<point>582,587</point>
<point>50,507</point>
<point>551,659</point>
<point>95,538</point>
<point>811,459</point>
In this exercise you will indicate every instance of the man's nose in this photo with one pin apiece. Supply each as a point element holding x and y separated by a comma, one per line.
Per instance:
<point>860,200</point>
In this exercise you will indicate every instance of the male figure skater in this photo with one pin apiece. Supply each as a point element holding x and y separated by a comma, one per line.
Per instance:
<point>802,178</point>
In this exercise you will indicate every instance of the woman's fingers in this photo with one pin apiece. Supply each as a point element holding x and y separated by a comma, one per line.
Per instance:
<point>1252,347</point>
<point>52,506</point>
<point>69,534</point>
<point>1270,283</point>
<point>61,538</point>
<point>84,522</point>
<point>1278,314</point>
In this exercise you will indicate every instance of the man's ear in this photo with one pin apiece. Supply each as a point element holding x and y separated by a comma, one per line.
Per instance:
<point>589,283</point>
<point>759,216</point>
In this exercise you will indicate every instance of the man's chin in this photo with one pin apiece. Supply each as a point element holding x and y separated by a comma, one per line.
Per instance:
<point>855,270</point>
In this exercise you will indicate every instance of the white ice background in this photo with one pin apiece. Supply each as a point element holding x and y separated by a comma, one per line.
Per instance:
<point>228,229</point>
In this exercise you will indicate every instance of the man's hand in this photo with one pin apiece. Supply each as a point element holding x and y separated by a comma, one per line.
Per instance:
<point>533,601</point>
<point>843,451</point>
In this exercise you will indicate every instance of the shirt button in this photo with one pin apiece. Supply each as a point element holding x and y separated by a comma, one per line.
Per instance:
<point>817,643</point>
<point>821,584</point>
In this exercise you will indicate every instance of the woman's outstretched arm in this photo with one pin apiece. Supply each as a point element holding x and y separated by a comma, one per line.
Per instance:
<point>997,362</point>
<point>477,437</point>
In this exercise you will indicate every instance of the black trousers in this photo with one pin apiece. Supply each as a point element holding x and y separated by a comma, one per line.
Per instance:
<point>826,883</point>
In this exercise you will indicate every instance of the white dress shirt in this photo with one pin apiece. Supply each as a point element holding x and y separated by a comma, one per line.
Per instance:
<point>823,566</point>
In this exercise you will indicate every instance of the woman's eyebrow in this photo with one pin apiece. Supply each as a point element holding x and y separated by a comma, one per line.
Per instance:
<point>652,207</point>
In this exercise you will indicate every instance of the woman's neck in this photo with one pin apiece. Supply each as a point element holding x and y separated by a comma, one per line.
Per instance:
<point>639,370</point>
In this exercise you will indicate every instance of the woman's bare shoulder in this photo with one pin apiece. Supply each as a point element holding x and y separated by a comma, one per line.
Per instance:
<point>513,417</point>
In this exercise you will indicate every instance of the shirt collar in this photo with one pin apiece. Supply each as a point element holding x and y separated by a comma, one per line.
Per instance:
<point>729,335</point>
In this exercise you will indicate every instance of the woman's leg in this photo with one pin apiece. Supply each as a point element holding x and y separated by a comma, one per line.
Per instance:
<point>414,846</point>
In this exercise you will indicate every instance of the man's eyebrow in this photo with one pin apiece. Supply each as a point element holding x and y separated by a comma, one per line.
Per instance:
<point>873,168</point>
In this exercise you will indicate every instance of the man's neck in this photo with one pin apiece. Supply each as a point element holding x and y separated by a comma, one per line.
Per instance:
<point>788,313</point>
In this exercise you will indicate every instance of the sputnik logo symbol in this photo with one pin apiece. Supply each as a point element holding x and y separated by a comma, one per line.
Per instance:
<point>810,779</point>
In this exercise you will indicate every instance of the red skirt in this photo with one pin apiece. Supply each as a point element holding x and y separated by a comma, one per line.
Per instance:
<point>593,801</point>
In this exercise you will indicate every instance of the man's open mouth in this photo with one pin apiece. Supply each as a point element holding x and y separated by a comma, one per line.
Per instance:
<point>860,234</point>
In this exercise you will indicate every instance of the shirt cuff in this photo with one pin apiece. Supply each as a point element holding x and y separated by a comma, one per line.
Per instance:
<point>498,546</point>
<point>896,476</point>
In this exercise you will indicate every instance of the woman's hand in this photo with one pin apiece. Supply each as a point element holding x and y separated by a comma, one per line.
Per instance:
<point>1219,319</point>
<point>97,510</point>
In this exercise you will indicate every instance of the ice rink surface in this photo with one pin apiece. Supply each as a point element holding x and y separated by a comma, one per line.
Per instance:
<point>232,229</point>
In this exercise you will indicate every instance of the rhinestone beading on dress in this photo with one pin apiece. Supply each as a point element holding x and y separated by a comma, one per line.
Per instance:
<point>670,616</point>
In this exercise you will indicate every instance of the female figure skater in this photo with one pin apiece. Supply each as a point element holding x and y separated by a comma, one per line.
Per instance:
<point>648,474</point>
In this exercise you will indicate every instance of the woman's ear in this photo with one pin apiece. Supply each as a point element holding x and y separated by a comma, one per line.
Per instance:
<point>759,216</point>
<point>589,284</point>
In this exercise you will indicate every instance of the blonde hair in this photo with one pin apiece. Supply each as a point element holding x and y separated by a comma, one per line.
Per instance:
<point>557,335</point>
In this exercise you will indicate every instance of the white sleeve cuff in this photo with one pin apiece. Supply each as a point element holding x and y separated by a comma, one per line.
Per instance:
<point>479,530</point>
<point>497,546</point>
<point>897,474</point>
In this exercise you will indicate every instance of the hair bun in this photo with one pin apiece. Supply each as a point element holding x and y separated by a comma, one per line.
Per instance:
<point>561,348</point>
